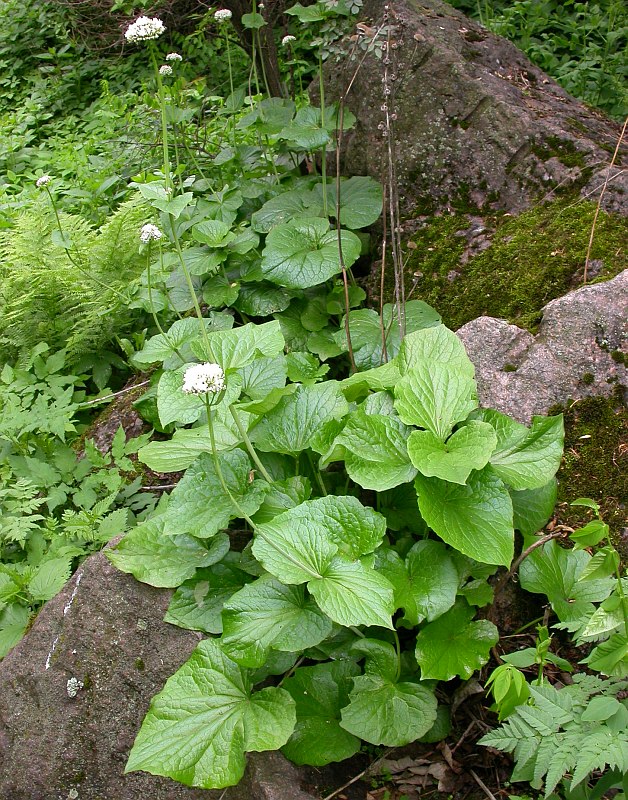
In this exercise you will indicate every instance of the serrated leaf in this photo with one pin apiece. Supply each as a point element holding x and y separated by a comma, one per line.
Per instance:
<point>263,299</point>
<point>425,583</point>
<point>186,445</point>
<point>526,458</point>
<point>367,329</point>
<point>475,519</point>
<point>435,396</point>
<point>374,450</point>
<point>469,448</point>
<point>291,426</point>
<point>281,496</point>
<point>153,557</point>
<point>298,204</point>
<point>173,404</point>
<point>13,624</point>
<point>213,232</point>
<point>383,710</point>
<point>532,508</point>
<point>162,346</point>
<point>301,253</point>
<point>610,657</point>
<point>360,200</point>
<point>49,578</point>
<point>267,615</point>
<point>454,644</point>
<point>435,344</point>
<point>589,535</point>
<point>197,603</point>
<point>206,717</point>
<point>199,505</point>
<point>320,692</point>
<point>237,348</point>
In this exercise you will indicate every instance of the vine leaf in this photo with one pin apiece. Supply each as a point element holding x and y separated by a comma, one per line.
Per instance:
<point>267,614</point>
<point>454,645</point>
<point>319,693</point>
<point>475,519</point>
<point>205,719</point>
<point>383,710</point>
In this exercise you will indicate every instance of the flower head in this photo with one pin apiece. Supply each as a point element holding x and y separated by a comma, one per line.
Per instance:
<point>174,57</point>
<point>165,70</point>
<point>288,40</point>
<point>143,29</point>
<point>223,15</point>
<point>43,181</point>
<point>150,233</point>
<point>203,379</point>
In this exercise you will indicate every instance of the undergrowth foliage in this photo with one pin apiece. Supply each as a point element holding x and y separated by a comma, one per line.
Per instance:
<point>344,502</point>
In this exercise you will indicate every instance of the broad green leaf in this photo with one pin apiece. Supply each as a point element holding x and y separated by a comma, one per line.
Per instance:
<point>425,584</point>
<point>305,131</point>
<point>269,116</point>
<point>197,603</point>
<point>469,448</point>
<point>13,624</point>
<point>366,330</point>
<point>239,347</point>
<point>281,496</point>
<point>475,519</point>
<point>529,459</point>
<point>589,535</point>
<point>263,299</point>
<point>610,657</point>
<point>352,594</point>
<point>320,692</point>
<point>373,447</point>
<point>305,368</point>
<point>162,347</point>
<point>304,253</point>
<point>454,644</point>
<point>555,572</point>
<point>199,505</point>
<point>202,262</point>
<point>298,204</point>
<point>173,404</point>
<point>351,528</point>
<point>400,507</point>
<point>604,563</point>
<point>360,201</point>
<point>305,14</point>
<point>383,710</point>
<point>219,291</point>
<point>379,378</point>
<point>267,615</point>
<point>434,345</point>
<point>254,21</point>
<point>262,376</point>
<point>435,396</point>
<point>206,718</point>
<point>186,445</point>
<point>213,232</point>
<point>532,508</point>
<point>290,426</point>
<point>153,557</point>
<point>49,579</point>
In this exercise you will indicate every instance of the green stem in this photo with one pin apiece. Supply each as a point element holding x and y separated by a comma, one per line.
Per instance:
<point>317,474</point>
<point>398,649</point>
<point>192,290</point>
<point>164,122</point>
<point>231,117</point>
<point>152,309</point>
<point>620,592</point>
<point>324,151</point>
<point>249,446</point>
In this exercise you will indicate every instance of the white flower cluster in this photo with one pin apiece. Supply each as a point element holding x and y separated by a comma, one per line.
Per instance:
<point>223,15</point>
<point>203,379</point>
<point>143,29</point>
<point>43,181</point>
<point>165,70</point>
<point>287,40</point>
<point>150,233</point>
<point>73,686</point>
<point>174,57</point>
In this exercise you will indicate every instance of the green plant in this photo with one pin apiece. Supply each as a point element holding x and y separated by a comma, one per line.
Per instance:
<point>55,507</point>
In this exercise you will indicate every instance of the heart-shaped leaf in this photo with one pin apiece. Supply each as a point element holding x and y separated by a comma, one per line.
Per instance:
<point>469,448</point>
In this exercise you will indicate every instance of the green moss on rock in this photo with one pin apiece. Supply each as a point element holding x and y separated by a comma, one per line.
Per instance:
<point>595,462</point>
<point>510,267</point>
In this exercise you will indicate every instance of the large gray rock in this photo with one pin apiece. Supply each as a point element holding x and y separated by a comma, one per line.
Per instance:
<point>577,352</point>
<point>475,121</point>
<point>104,629</point>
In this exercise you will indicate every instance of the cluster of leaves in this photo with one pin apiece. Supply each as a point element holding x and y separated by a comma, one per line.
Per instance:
<point>325,575</point>
<point>580,44</point>
<point>589,718</point>
<point>54,506</point>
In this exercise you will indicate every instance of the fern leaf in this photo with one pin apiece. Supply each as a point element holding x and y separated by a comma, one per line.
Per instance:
<point>591,755</point>
<point>564,758</point>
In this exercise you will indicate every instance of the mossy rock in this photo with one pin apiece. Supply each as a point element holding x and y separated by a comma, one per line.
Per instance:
<point>470,265</point>
<point>595,464</point>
